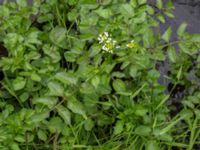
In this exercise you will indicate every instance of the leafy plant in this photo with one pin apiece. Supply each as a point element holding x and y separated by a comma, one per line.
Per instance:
<point>83,75</point>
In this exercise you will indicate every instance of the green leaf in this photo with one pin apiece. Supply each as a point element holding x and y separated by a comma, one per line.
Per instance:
<point>181,29</point>
<point>52,52</point>
<point>120,87</point>
<point>72,15</point>
<point>105,13</point>
<point>169,5</point>
<point>19,83</point>
<point>142,2</point>
<point>152,145</point>
<point>66,78</point>
<point>178,76</point>
<point>55,125</point>
<point>64,113</point>
<point>35,77</point>
<point>42,135</point>
<point>5,12</point>
<point>76,107</point>
<point>119,127</point>
<point>161,18</point>
<point>188,104</point>
<point>36,118</point>
<point>22,3</point>
<point>166,137</point>
<point>104,120</point>
<point>140,110</point>
<point>58,36</point>
<point>143,130</point>
<point>95,81</point>
<point>88,124</point>
<point>166,36</point>
<point>55,88</point>
<point>172,54</point>
<point>169,14</point>
<point>24,96</point>
<point>70,56</point>
<point>47,101</point>
<point>127,10</point>
<point>159,4</point>
<point>45,18</point>
<point>14,146</point>
<point>72,2</point>
<point>94,50</point>
<point>158,55</point>
<point>184,48</point>
<point>195,38</point>
<point>20,138</point>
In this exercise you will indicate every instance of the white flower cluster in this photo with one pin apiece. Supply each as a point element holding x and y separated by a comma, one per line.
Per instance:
<point>108,44</point>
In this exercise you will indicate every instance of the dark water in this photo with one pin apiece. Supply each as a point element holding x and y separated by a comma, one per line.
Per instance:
<point>186,11</point>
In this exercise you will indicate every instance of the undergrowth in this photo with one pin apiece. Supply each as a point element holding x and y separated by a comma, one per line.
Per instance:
<point>82,74</point>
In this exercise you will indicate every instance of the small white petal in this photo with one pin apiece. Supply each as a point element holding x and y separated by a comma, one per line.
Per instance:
<point>106,34</point>
<point>104,48</point>
<point>109,39</point>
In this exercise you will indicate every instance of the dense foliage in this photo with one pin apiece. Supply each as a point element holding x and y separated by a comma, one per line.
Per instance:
<point>83,74</point>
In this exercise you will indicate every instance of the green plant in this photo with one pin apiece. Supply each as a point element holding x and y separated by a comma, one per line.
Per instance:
<point>82,74</point>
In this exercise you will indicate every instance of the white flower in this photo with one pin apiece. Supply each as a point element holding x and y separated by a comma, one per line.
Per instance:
<point>117,47</point>
<point>106,34</point>
<point>108,44</point>
<point>103,37</point>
